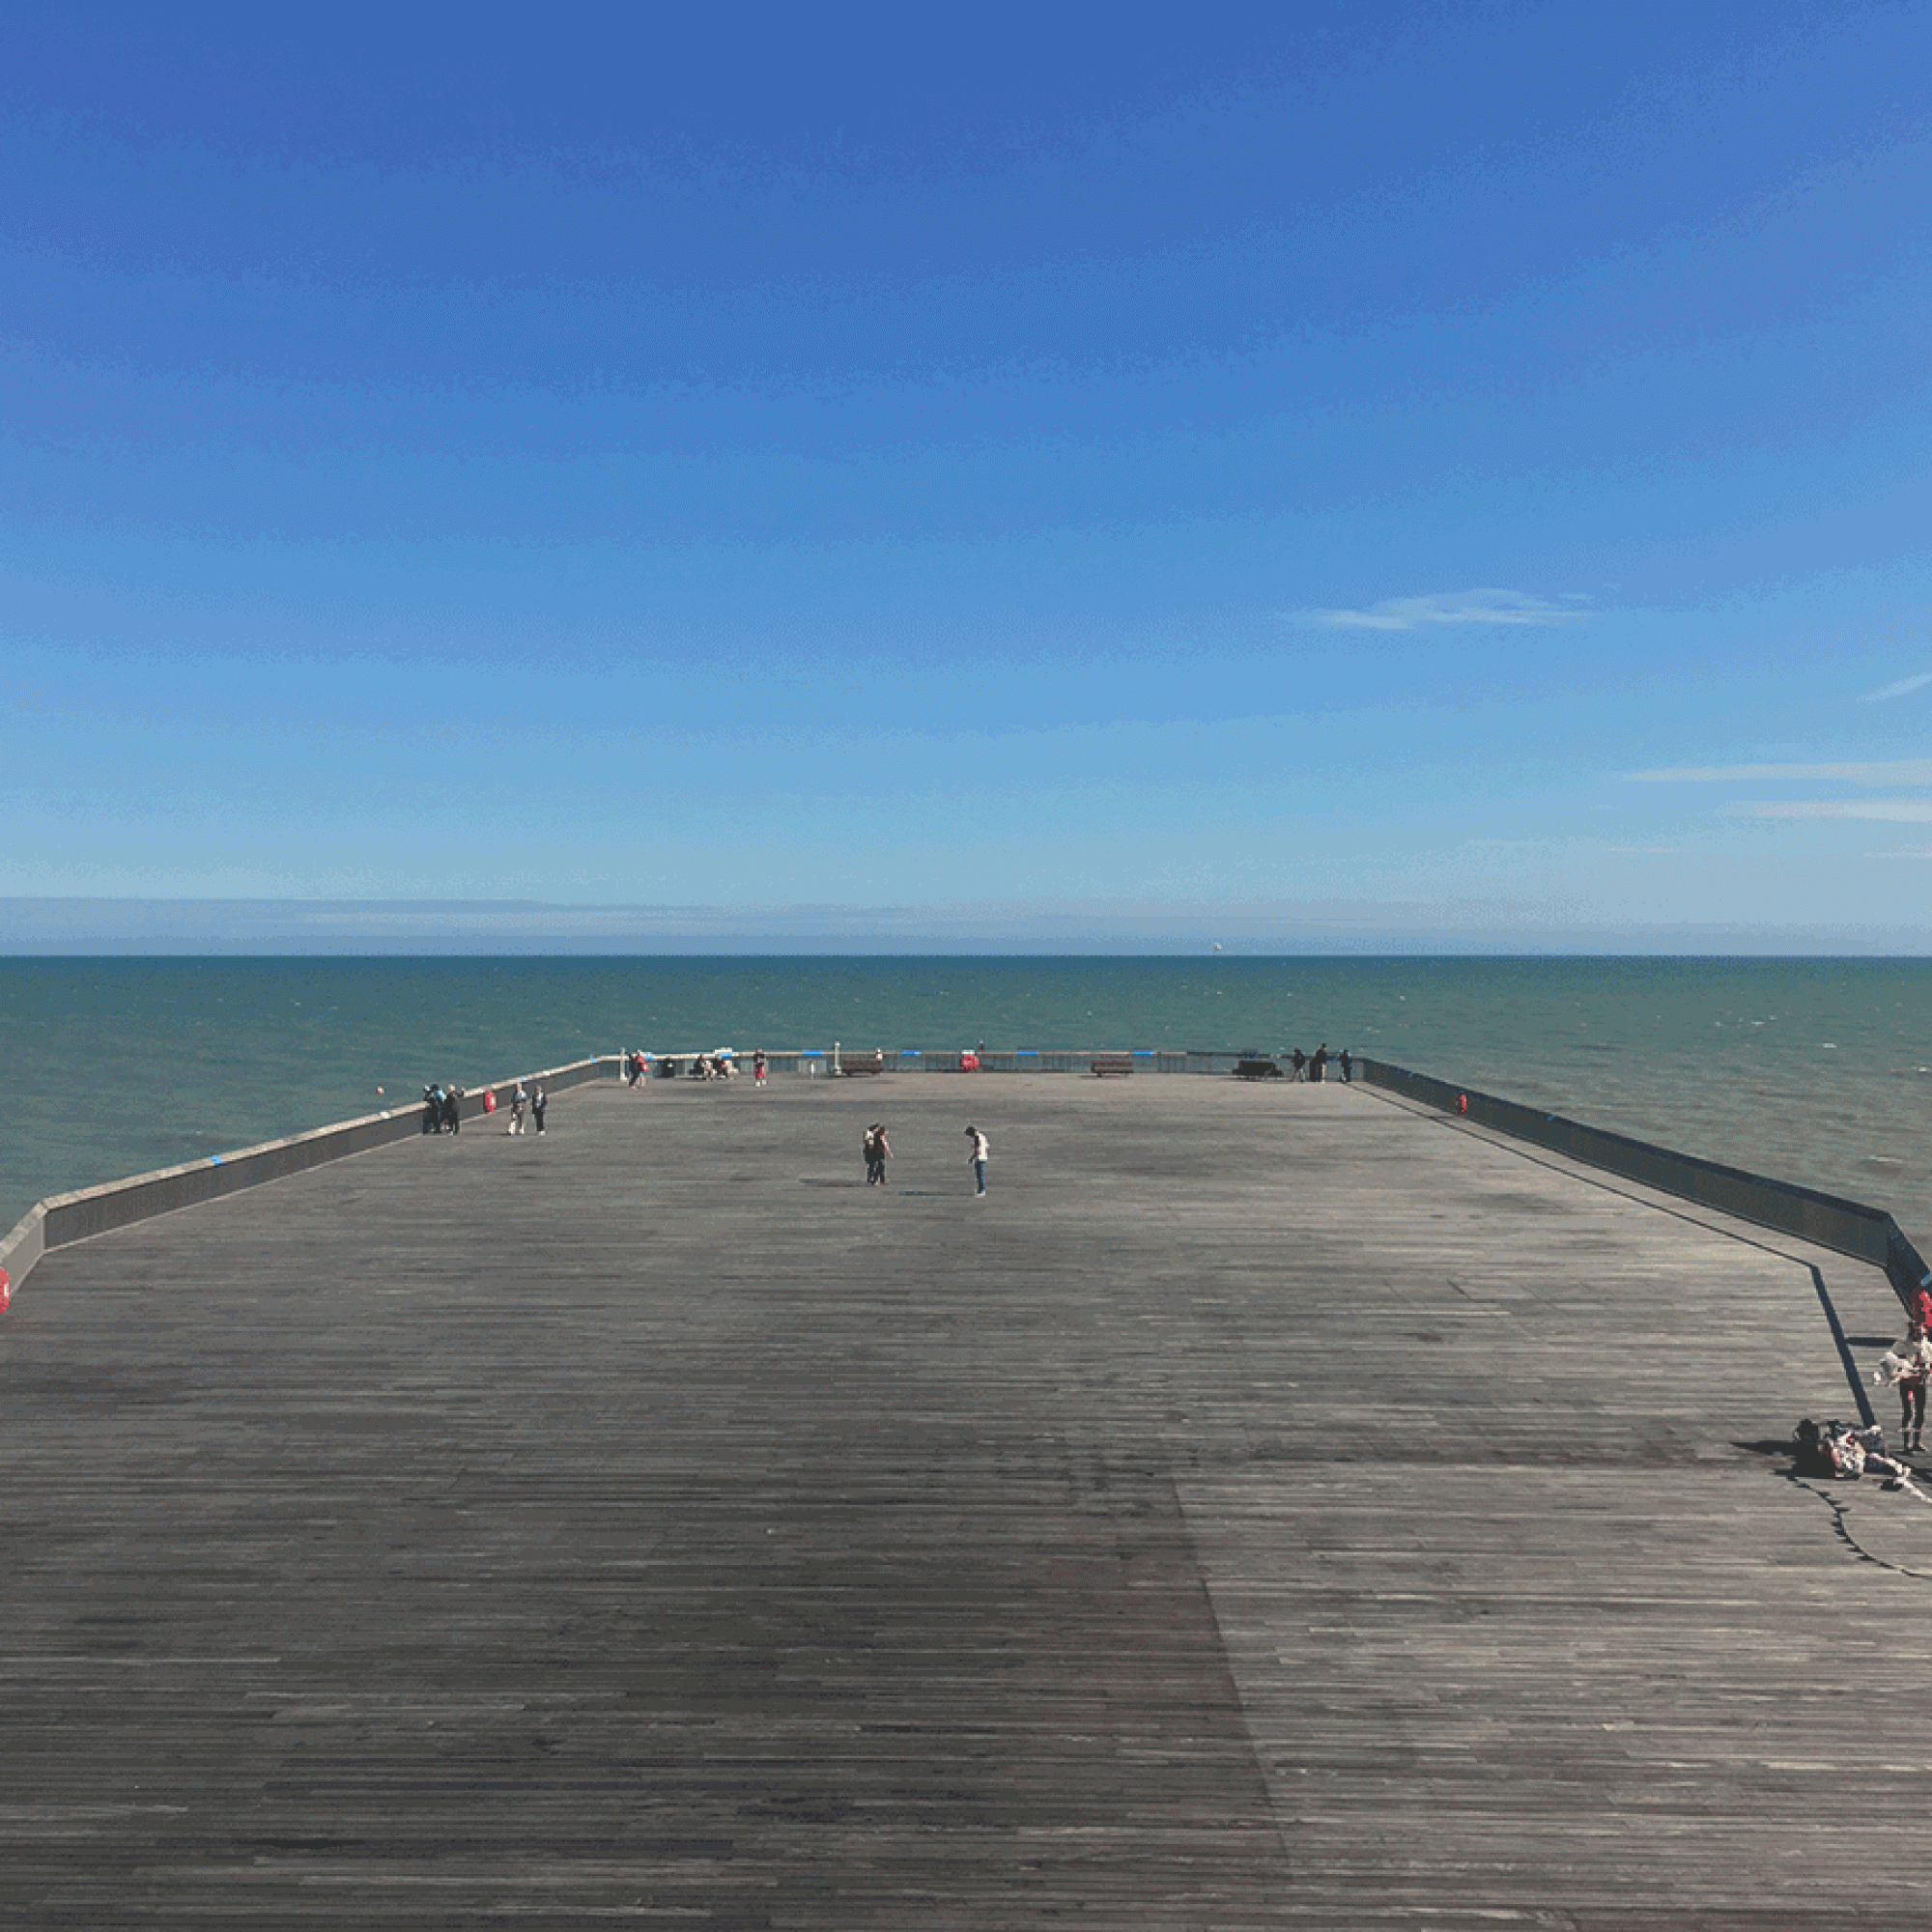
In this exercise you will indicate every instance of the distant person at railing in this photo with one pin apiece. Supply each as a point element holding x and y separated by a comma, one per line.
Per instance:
<point>1348,1068</point>
<point>758,1068</point>
<point>1317,1066</point>
<point>1299,1062</point>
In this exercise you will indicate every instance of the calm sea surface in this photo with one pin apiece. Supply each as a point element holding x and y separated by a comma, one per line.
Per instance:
<point>1814,1070</point>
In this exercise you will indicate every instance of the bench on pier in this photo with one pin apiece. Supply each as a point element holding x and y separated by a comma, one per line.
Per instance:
<point>863,1063</point>
<point>1256,1069</point>
<point>1104,1063</point>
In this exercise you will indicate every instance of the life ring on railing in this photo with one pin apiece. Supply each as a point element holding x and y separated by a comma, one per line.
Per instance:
<point>1462,1104</point>
<point>6,1291</point>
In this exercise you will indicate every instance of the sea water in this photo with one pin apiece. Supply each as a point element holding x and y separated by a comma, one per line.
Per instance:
<point>1811,1070</point>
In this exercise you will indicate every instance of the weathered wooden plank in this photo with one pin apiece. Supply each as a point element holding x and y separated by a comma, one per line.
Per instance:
<point>1269,1507</point>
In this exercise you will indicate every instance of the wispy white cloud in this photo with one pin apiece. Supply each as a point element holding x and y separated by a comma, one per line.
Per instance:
<point>1898,771</point>
<point>1891,810</point>
<point>1903,688</point>
<point>1447,607</point>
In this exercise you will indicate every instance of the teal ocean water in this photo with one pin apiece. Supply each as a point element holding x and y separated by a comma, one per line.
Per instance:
<point>1814,1070</point>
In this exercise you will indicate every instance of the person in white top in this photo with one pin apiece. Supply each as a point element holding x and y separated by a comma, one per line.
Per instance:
<point>1906,1367</point>
<point>976,1159</point>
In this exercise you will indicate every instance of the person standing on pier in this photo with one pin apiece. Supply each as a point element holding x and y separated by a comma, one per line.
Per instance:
<point>539,1101</point>
<point>977,1161</point>
<point>519,1100</point>
<point>878,1151</point>
<point>1907,1367</point>
<point>1317,1065</point>
<point>758,1068</point>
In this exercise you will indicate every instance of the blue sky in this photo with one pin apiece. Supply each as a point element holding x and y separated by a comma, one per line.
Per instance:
<point>1426,473</point>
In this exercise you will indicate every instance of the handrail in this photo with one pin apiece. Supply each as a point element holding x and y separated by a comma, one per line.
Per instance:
<point>64,1218</point>
<point>1846,1227</point>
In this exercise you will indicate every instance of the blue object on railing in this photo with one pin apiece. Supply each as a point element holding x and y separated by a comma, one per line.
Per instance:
<point>1028,1052</point>
<point>215,1160</point>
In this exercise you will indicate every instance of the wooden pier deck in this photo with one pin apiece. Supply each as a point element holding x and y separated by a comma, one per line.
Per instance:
<point>1269,1507</point>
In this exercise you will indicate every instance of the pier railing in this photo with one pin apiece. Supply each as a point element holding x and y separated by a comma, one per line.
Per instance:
<point>810,1061</point>
<point>62,1219</point>
<point>1846,1227</point>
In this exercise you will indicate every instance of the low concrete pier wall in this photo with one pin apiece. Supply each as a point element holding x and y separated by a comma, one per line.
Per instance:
<point>63,1218</point>
<point>1847,1227</point>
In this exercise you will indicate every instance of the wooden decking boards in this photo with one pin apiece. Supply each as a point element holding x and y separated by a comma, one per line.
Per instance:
<point>1269,1507</point>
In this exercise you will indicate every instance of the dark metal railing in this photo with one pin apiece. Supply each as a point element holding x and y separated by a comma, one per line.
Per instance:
<point>1846,1227</point>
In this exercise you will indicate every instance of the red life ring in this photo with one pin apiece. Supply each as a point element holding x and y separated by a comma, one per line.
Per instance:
<point>1462,1104</point>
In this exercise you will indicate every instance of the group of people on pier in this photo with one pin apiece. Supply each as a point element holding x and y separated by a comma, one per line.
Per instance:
<point>719,1065</point>
<point>1300,1065</point>
<point>1850,1450</point>
<point>442,1108</point>
<point>877,1150</point>
<point>1315,1066</point>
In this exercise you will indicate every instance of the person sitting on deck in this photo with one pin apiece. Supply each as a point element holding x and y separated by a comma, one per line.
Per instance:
<point>1849,1452</point>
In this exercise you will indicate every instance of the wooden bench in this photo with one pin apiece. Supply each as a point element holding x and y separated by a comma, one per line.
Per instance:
<point>863,1063</point>
<point>1104,1063</point>
<point>1256,1069</point>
